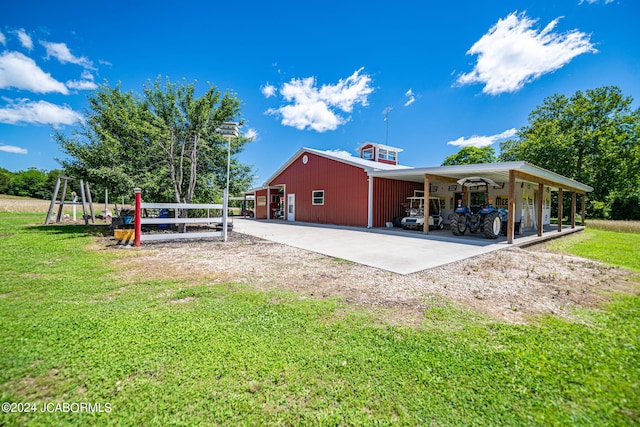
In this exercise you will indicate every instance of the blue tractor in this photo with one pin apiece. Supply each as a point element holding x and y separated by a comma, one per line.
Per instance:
<point>485,217</point>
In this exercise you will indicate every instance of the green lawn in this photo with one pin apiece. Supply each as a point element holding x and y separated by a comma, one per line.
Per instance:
<point>176,353</point>
<point>615,248</point>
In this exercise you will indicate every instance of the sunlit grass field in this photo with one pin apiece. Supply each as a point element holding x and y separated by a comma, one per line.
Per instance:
<point>149,352</point>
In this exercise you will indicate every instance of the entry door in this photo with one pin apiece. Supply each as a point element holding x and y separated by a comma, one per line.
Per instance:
<point>291,207</point>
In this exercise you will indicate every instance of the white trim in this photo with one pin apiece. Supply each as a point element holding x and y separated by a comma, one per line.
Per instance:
<point>370,203</point>
<point>313,198</point>
<point>173,236</point>
<point>387,154</point>
<point>208,220</point>
<point>291,215</point>
<point>180,206</point>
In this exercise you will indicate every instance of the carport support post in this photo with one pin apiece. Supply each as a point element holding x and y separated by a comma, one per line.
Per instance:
<point>268,203</point>
<point>138,229</point>
<point>539,207</point>
<point>560,213</point>
<point>573,209</point>
<point>425,227</point>
<point>511,225</point>
<point>584,209</point>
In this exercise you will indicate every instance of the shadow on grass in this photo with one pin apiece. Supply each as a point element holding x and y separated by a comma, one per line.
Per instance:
<point>97,230</point>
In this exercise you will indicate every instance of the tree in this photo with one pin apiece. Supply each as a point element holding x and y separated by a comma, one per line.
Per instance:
<point>5,181</point>
<point>29,183</point>
<point>592,137</point>
<point>471,155</point>
<point>163,141</point>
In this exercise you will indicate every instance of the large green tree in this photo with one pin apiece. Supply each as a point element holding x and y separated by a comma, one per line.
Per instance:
<point>471,155</point>
<point>592,136</point>
<point>163,141</point>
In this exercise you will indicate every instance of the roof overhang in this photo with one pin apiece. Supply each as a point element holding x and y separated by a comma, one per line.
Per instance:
<point>267,187</point>
<point>498,172</point>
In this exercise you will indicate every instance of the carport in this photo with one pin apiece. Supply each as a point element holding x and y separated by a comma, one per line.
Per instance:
<point>509,174</point>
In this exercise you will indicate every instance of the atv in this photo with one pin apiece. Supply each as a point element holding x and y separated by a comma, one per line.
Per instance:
<point>487,218</point>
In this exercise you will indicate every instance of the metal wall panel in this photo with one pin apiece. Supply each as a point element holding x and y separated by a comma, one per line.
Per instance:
<point>261,211</point>
<point>388,196</point>
<point>345,190</point>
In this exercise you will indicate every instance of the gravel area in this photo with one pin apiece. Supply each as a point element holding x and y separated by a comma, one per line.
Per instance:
<point>511,285</point>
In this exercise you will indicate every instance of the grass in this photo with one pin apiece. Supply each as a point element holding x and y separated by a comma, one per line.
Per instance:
<point>186,353</point>
<point>621,226</point>
<point>16,204</point>
<point>621,249</point>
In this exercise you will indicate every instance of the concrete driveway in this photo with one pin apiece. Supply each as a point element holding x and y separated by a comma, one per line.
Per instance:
<point>385,249</point>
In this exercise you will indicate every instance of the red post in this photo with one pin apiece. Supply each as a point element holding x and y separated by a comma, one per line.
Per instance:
<point>138,217</point>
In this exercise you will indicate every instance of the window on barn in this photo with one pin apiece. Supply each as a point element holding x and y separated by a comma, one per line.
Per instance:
<point>367,153</point>
<point>317,197</point>
<point>387,154</point>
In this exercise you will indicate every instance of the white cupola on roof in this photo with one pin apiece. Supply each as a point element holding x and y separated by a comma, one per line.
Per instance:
<point>379,153</point>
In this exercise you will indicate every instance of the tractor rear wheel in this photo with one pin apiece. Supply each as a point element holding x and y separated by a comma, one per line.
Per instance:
<point>492,225</point>
<point>458,224</point>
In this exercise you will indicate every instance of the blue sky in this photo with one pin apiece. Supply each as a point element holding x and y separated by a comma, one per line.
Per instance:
<point>319,75</point>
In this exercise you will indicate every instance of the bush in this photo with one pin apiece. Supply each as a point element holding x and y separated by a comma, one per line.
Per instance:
<point>598,209</point>
<point>624,205</point>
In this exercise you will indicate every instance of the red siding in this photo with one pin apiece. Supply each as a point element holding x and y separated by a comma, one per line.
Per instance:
<point>261,211</point>
<point>345,190</point>
<point>388,194</point>
<point>388,162</point>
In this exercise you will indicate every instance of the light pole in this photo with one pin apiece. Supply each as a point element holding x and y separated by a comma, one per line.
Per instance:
<point>228,129</point>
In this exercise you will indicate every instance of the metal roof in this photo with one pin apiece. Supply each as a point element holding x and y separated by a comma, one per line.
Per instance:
<point>498,172</point>
<point>340,156</point>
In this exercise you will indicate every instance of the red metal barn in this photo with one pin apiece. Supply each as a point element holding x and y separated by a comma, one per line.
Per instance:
<point>333,187</point>
<point>369,190</point>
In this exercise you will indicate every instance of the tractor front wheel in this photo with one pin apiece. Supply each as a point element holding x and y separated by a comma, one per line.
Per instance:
<point>492,225</point>
<point>458,224</point>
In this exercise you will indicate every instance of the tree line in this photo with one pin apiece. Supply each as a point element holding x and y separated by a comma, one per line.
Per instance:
<point>165,140</point>
<point>35,183</point>
<point>592,137</point>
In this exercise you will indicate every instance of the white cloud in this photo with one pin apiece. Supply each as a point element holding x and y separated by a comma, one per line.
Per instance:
<point>85,83</point>
<point>61,52</point>
<point>82,85</point>
<point>25,39</point>
<point>412,97</point>
<point>3,39</point>
<point>317,108</point>
<point>482,141</point>
<point>38,112</point>
<point>512,53</point>
<point>595,1</point>
<point>268,90</point>
<point>252,134</point>
<point>13,149</point>
<point>21,72</point>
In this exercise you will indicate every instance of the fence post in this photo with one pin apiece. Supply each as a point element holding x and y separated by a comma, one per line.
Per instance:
<point>138,218</point>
